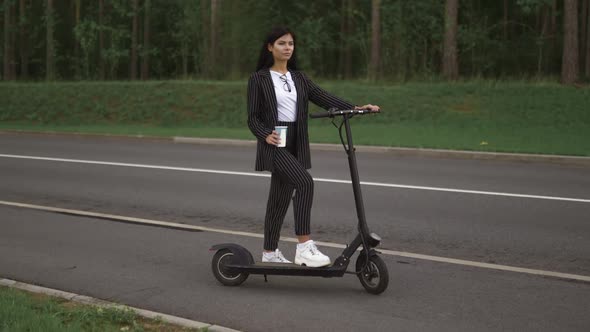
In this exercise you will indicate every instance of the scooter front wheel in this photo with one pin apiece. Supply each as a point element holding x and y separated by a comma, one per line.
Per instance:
<point>222,258</point>
<point>373,275</point>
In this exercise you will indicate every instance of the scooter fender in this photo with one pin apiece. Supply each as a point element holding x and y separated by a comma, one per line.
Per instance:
<point>372,252</point>
<point>241,255</point>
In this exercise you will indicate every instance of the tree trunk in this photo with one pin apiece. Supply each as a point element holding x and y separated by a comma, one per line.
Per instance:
<point>184,47</point>
<point>213,37</point>
<point>554,17</point>
<point>569,67</point>
<point>9,41</point>
<point>375,40</point>
<point>13,36</point>
<point>450,63</point>
<point>582,36</point>
<point>50,55</point>
<point>349,31</point>
<point>236,12</point>
<point>552,47</point>
<point>76,42</point>
<point>546,12</point>
<point>587,69</point>
<point>425,56</point>
<point>145,64</point>
<point>133,64</point>
<point>101,69</point>
<point>7,44</point>
<point>184,54</point>
<point>24,45</point>
<point>343,37</point>
<point>538,14</point>
<point>345,59</point>
<point>505,21</point>
<point>205,27</point>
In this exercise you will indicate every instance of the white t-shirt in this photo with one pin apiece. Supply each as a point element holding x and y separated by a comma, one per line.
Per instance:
<point>286,101</point>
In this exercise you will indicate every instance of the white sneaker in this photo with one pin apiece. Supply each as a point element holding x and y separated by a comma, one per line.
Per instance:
<point>274,257</point>
<point>308,254</point>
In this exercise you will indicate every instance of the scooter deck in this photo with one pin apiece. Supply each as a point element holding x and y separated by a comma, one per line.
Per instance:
<point>288,269</point>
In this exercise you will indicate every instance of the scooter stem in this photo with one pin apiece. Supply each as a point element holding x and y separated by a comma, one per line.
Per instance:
<point>356,186</point>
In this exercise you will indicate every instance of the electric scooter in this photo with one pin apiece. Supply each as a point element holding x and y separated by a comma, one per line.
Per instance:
<point>232,263</point>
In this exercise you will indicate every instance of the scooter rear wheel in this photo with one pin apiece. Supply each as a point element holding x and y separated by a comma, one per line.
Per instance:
<point>227,278</point>
<point>374,275</point>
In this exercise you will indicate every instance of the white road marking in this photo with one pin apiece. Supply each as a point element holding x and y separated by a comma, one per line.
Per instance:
<point>375,184</point>
<point>143,221</point>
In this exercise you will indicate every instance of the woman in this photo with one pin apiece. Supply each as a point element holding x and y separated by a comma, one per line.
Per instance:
<point>278,95</point>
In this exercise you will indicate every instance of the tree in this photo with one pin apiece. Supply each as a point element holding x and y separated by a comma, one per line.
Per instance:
<point>450,64</point>
<point>23,41</point>
<point>213,38</point>
<point>134,31</point>
<point>554,17</point>
<point>582,37</point>
<point>505,20</point>
<point>375,40</point>
<point>101,46</point>
<point>50,52</point>
<point>205,33</point>
<point>236,51</point>
<point>85,33</point>
<point>587,67</point>
<point>77,43</point>
<point>541,40</point>
<point>117,39</point>
<point>346,28</point>
<point>569,67</point>
<point>187,32</point>
<point>7,39</point>
<point>146,42</point>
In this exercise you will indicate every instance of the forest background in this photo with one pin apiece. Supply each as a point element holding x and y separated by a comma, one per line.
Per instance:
<point>390,40</point>
<point>502,75</point>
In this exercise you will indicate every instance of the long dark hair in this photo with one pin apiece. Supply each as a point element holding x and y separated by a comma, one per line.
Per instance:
<point>266,60</point>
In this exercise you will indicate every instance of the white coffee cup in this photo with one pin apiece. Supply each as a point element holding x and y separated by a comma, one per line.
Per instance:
<point>282,131</point>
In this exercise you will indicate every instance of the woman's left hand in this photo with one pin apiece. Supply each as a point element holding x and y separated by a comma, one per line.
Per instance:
<point>368,107</point>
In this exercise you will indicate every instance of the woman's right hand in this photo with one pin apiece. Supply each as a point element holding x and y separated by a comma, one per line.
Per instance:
<point>273,138</point>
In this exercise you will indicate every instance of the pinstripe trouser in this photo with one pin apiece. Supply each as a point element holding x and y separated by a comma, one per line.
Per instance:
<point>289,175</point>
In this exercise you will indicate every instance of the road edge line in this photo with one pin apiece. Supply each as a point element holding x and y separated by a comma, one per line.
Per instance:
<point>439,259</point>
<point>583,161</point>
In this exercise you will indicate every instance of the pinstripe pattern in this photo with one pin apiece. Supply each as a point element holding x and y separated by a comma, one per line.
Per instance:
<point>263,117</point>
<point>289,175</point>
<point>288,165</point>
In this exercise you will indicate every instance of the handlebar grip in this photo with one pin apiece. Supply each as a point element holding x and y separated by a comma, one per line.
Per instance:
<point>320,115</point>
<point>332,112</point>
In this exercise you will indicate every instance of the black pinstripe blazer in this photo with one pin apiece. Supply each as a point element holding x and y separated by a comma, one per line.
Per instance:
<point>263,114</point>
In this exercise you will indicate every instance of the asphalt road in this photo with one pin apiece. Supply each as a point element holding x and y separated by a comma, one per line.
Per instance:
<point>168,270</point>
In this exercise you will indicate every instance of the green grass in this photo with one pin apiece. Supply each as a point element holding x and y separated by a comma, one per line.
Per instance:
<point>513,116</point>
<point>528,140</point>
<point>23,311</point>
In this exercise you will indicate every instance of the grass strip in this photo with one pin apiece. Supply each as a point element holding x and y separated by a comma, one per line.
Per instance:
<point>574,142</point>
<point>495,116</point>
<point>24,311</point>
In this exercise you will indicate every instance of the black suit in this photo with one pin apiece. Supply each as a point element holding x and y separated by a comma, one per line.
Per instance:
<point>288,165</point>
<point>263,116</point>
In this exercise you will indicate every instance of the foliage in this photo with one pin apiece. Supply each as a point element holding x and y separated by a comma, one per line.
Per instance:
<point>334,37</point>
<point>522,116</point>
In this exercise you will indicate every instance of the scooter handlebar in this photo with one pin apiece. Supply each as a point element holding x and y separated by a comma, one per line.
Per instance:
<point>332,112</point>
